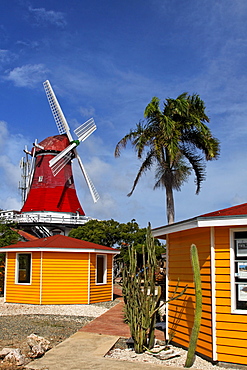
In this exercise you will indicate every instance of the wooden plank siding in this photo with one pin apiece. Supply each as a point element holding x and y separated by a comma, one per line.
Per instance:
<point>231,329</point>
<point>100,292</point>
<point>181,311</point>
<point>64,278</point>
<point>22,293</point>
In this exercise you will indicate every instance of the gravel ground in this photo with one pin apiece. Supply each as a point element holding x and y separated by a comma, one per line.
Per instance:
<point>53,322</point>
<point>121,352</point>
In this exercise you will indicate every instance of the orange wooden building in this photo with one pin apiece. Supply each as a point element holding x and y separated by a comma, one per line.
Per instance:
<point>58,270</point>
<point>221,240</point>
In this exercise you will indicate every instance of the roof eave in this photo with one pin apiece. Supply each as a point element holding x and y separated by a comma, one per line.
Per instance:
<point>72,250</point>
<point>162,231</point>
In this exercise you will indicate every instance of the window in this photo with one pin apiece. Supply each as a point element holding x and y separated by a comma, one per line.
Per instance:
<point>40,179</point>
<point>239,271</point>
<point>101,269</point>
<point>24,268</point>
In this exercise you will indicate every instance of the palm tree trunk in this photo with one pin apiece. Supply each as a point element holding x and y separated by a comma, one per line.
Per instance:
<point>170,212</point>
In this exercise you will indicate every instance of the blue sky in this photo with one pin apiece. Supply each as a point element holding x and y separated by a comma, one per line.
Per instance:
<point>107,59</point>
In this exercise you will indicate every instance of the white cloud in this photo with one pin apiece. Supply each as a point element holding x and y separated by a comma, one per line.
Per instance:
<point>6,56</point>
<point>87,112</point>
<point>11,147</point>
<point>28,75</point>
<point>43,16</point>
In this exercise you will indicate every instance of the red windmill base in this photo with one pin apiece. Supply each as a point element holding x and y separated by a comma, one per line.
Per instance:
<point>51,193</point>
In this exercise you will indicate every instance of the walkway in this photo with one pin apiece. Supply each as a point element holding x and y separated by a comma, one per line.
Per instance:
<point>86,348</point>
<point>112,321</point>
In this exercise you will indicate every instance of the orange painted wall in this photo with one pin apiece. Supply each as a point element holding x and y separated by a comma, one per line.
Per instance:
<point>22,293</point>
<point>65,278</point>
<point>100,292</point>
<point>181,311</point>
<point>231,328</point>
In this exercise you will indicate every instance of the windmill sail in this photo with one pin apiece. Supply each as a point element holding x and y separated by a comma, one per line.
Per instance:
<point>82,132</point>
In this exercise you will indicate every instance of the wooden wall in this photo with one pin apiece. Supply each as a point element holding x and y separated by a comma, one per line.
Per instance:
<point>100,292</point>
<point>65,278</point>
<point>231,328</point>
<point>22,293</point>
<point>181,311</point>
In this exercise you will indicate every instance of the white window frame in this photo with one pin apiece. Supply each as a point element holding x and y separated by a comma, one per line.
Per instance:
<point>17,269</point>
<point>234,308</point>
<point>104,269</point>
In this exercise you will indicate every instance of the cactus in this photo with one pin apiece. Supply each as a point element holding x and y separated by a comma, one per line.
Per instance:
<point>142,296</point>
<point>198,307</point>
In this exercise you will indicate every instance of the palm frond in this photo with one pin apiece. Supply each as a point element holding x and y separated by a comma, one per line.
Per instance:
<point>198,166</point>
<point>146,165</point>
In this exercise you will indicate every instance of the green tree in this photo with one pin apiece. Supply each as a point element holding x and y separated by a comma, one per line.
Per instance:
<point>174,139</point>
<point>114,234</point>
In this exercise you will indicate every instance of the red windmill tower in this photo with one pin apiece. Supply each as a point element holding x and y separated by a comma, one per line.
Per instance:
<point>51,204</point>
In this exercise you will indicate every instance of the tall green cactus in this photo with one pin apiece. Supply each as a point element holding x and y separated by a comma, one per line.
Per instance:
<point>142,296</point>
<point>198,307</point>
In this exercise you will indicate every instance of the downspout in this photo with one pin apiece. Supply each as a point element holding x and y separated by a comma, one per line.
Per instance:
<point>213,293</point>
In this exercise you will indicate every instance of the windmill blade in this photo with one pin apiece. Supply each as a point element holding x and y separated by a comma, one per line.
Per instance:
<point>62,125</point>
<point>67,152</point>
<point>85,130</point>
<point>59,165</point>
<point>31,172</point>
<point>92,189</point>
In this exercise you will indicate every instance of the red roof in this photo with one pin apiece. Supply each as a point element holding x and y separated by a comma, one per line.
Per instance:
<point>239,210</point>
<point>58,241</point>
<point>26,235</point>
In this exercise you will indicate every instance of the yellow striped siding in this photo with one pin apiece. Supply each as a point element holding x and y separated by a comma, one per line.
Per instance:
<point>100,292</point>
<point>231,328</point>
<point>65,278</point>
<point>19,293</point>
<point>181,311</point>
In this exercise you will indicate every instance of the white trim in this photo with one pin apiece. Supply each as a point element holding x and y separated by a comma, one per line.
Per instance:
<point>213,293</point>
<point>17,268</point>
<point>5,276</point>
<point>41,278</point>
<point>104,269</point>
<point>235,221</point>
<point>167,284</point>
<point>179,226</point>
<point>199,222</point>
<point>46,249</point>
<point>112,272</point>
<point>232,270</point>
<point>89,275</point>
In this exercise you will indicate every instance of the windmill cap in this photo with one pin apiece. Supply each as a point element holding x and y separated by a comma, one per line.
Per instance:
<point>53,143</point>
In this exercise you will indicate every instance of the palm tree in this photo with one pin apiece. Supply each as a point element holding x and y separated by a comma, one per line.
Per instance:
<point>176,140</point>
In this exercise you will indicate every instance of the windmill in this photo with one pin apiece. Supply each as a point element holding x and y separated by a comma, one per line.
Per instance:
<point>50,190</point>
